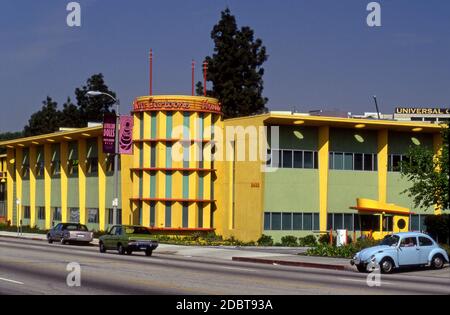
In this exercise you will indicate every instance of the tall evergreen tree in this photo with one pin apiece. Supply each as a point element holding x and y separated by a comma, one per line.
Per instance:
<point>47,120</point>
<point>70,115</point>
<point>235,69</point>
<point>92,109</point>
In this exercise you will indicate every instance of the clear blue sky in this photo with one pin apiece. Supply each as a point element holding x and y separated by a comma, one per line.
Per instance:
<point>322,53</point>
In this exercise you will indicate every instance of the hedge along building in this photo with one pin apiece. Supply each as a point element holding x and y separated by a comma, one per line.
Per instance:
<point>324,173</point>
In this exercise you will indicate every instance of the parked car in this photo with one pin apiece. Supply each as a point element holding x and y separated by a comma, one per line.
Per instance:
<point>400,250</point>
<point>127,239</point>
<point>70,233</point>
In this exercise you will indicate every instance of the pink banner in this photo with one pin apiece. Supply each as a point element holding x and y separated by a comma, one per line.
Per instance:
<point>126,135</point>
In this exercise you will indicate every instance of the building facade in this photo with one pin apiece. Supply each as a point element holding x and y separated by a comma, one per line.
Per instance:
<point>275,174</point>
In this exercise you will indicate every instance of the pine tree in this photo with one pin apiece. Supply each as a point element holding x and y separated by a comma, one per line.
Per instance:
<point>235,69</point>
<point>47,120</point>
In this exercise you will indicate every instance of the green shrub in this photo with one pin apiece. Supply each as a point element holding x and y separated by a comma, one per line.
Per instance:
<point>289,240</point>
<point>265,240</point>
<point>307,241</point>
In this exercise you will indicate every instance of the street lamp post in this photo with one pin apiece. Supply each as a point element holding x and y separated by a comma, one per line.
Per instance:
<point>115,202</point>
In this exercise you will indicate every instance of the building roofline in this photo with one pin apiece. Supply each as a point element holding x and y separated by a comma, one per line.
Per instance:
<point>87,132</point>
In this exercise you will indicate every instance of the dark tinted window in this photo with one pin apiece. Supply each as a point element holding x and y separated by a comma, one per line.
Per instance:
<point>287,221</point>
<point>276,221</point>
<point>287,159</point>
<point>267,221</point>
<point>425,241</point>
<point>298,159</point>
<point>358,162</point>
<point>297,224</point>
<point>308,160</point>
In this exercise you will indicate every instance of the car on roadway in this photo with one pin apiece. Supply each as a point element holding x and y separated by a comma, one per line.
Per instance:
<point>70,233</point>
<point>401,250</point>
<point>127,239</point>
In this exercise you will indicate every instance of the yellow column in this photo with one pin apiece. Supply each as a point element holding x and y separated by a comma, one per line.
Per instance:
<point>324,143</point>
<point>177,177</point>
<point>207,175</point>
<point>32,186</point>
<point>64,180</point>
<point>160,208</point>
<point>47,184</point>
<point>146,175</point>
<point>437,148</point>
<point>101,185</point>
<point>10,160</point>
<point>382,164</point>
<point>19,161</point>
<point>193,176</point>
<point>82,179</point>
<point>126,183</point>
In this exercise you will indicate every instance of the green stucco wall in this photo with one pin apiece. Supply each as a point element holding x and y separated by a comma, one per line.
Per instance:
<point>395,188</point>
<point>400,142</point>
<point>25,193</point>
<point>345,186</point>
<point>92,192</point>
<point>56,192</point>
<point>292,190</point>
<point>73,192</point>
<point>40,193</point>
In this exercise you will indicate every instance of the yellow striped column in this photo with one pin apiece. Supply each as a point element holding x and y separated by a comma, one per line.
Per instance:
<point>207,175</point>
<point>33,165</point>
<point>193,176</point>
<point>135,174</point>
<point>47,184</point>
<point>19,165</point>
<point>160,175</point>
<point>82,179</point>
<point>146,175</point>
<point>64,180</point>
<point>177,177</point>
<point>10,183</point>
<point>101,184</point>
<point>324,143</point>
<point>382,164</point>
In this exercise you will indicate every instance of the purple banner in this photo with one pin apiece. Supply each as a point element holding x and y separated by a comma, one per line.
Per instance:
<point>109,133</point>
<point>126,135</point>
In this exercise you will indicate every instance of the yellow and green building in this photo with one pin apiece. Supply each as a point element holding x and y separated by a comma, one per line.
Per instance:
<point>326,173</point>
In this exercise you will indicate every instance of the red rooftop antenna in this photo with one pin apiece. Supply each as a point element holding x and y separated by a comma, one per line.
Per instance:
<point>193,77</point>
<point>151,73</point>
<point>205,71</point>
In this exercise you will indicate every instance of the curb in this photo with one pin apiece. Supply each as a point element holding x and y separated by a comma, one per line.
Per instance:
<point>293,263</point>
<point>94,242</point>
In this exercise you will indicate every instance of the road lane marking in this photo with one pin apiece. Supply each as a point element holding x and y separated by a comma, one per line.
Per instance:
<point>362,280</point>
<point>235,268</point>
<point>11,281</point>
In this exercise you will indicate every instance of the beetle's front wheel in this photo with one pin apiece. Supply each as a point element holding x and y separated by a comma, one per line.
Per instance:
<point>437,262</point>
<point>387,265</point>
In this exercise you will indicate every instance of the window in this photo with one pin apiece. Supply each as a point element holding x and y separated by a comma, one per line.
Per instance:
<point>57,215</point>
<point>348,161</point>
<point>276,221</point>
<point>73,167</point>
<point>316,222</point>
<point>287,221</point>
<point>74,215</point>
<point>338,161</point>
<point>109,163</point>
<point>307,221</point>
<point>348,221</point>
<point>26,212</point>
<point>338,221</point>
<point>388,223</point>
<point>358,163</point>
<point>41,213</point>
<point>287,159</point>
<point>40,169</point>
<point>110,216</point>
<point>368,162</point>
<point>396,159</point>
<point>370,222</point>
<point>298,159</point>
<point>267,221</point>
<point>92,165</point>
<point>408,242</point>
<point>415,222</point>
<point>56,168</point>
<point>93,216</point>
<point>308,157</point>
<point>425,241</point>
<point>297,222</point>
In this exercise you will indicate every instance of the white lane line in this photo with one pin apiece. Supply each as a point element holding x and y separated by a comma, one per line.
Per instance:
<point>362,280</point>
<point>239,269</point>
<point>11,281</point>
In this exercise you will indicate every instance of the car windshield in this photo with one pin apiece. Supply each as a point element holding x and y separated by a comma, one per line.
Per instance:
<point>136,230</point>
<point>390,240</point>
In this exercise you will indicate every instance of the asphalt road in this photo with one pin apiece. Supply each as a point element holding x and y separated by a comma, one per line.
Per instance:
<point>35,267</point>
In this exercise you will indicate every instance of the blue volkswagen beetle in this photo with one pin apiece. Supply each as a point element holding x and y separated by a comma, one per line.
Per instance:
<point>399,250</point>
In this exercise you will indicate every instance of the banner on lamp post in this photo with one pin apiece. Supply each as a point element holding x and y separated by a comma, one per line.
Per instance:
<point>109,133</point>
<point>126,135</point>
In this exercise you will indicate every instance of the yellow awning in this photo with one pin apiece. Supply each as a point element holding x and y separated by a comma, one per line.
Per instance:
<point>375,206</point>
